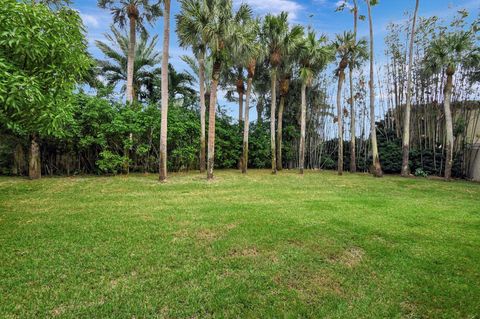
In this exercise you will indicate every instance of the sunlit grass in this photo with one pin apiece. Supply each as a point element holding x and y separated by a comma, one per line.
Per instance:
<point>258,246</point>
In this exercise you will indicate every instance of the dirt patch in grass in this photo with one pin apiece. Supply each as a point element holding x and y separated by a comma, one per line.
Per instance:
<point>312,284</point>
<point>245,252</point>
<point>350,257</point>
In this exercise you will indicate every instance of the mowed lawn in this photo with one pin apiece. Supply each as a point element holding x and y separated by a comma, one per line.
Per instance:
<point>255,246</point>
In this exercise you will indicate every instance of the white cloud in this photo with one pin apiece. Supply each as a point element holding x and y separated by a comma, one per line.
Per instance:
<point>90,20</point>
<point>274,6</point>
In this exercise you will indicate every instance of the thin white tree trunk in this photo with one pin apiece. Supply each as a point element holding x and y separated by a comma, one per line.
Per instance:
<point>246,126</point>
<point>406,121</point>
<point>303,112</point>
<point>377,169</point>
<point>448,126</point>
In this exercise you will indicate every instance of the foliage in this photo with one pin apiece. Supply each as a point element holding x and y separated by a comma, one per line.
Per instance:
<point>420,173</point>
<point>42,57</point>
<point>110,162</point>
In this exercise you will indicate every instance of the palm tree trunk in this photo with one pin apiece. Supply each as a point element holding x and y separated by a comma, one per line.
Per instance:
<point>34,168</point>
<point>133,14</point>
<point>281,107</point>
<point>131,56</point>
<point>377,168</point>
<point>211,119</point>
<point>406,121</point>
<point>272,121</point>
<point>353,160</point>
<point>163,130</point>
<point>246,126</point>
<point>303,112</point>
<point>201,75</point>
<point>341,77</point>
<point>448,125</point>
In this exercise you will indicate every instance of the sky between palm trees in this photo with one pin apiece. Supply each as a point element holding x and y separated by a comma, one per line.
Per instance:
<point>320,14</point>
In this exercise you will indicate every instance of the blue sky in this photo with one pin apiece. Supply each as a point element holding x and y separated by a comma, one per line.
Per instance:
<point>320,14</point>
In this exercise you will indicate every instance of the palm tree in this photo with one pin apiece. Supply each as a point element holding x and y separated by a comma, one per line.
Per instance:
<point>222,37</point>
<point>279,40</point>
<point>137,11</point>
<point>250,53</point>
<point>347,50</point>
<point>115,68</point>
<point>190,29</point>
<point>286,76</point>
<point>164,122</point>
<point>312,58</point>
<point>353,62</point>
<point>445,54</point>
<point>377,168</point>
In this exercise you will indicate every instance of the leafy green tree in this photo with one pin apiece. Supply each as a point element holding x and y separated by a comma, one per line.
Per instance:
<point>42,58</point>
<point>280,40</point>
<point>145,69</point>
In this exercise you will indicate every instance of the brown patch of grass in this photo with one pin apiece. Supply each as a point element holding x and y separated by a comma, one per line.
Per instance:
<point>350,257</point>
<point>245,252</point>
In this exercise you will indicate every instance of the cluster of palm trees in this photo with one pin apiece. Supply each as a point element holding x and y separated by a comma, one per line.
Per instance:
<point>225,40</point>
<point>236,42</point>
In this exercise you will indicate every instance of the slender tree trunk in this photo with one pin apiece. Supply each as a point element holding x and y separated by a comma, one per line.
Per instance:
<point>201,73</point>
<point>133,13</point>
<point>353,160</point>
<point>341,77</point>
<point>303,112</point>
<point>34,168</point>
<point>272,121</point>
<point>448,124</point>
<point>281,107</point>
<point>246,125</point>
<point>377,169</point>
<point>163,129</point>
<point>211,119</point>
<point>406,121</point>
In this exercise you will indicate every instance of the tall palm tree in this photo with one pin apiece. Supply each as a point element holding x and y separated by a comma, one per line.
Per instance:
<point>377,168</point>
<point>191,23</point>
<point>312,58</point>
<point>346,48</point>
<point>406,122</point>
<point>222,37</point>
<point>164,115</point>
<point>280,40</point>
<point>137,12</point>
<point>445,54</point>
<point>250,53</point>
<point>353,62</point>
<point>114,69</point>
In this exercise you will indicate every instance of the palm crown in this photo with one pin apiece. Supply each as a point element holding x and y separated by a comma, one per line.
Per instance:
<point>115,68</point>
<point>141,10</point>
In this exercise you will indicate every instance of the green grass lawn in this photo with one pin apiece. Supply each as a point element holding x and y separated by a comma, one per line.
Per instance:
<point>256,246</point>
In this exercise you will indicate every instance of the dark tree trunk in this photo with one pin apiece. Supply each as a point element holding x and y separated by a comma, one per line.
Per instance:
<point>34,168</point>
